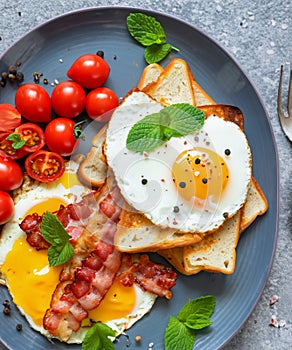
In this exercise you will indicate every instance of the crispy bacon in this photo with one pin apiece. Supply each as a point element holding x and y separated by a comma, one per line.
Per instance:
<point>155,278</point>
<point>73,217</point>
<point>86,279</point>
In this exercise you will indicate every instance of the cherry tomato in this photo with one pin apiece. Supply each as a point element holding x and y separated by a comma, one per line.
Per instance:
<point>7,150</point>
<point>34,103</point>
<point>68,99</point>
<point>11,175</point>
<point>100,104</point>
<point>31,135</point>
<point>6,207</point>
<point>10,118</point>
<point>89,70</point>
<point>61,136</point>
<point>44,166</point>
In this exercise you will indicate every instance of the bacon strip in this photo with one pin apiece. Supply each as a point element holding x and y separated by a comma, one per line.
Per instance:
<point>73,217</point>
<point>86,279</point>
<point>155,278</point>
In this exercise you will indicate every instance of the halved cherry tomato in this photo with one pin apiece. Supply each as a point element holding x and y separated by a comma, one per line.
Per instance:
<point>11,175</point>
<point>6,207</point>
<point>44,166</point>
<point>31,135</point>
<point>100,103</point>
<point>7,150</point>
<point>89,70</point>
<point>68,99</point>
<point>10,118</point>
<point>61,136</point>
<point>34,103</point>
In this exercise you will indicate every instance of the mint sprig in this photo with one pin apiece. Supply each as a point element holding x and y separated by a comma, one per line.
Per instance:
<point>180,332</point>
<point>155,129</point>
<point>150,33</point>
<point>61,250</point>
<point>97,338</point>
<point>17,141</point>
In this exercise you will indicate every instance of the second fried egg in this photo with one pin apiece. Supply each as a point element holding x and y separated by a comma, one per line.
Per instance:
<point>192,183</point>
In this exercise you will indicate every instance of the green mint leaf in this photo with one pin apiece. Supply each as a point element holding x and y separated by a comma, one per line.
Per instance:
<point>58,255</point>
<point>52,230</point>
<point>183,118</point>
<point>178,336</point>
<point>173,121</point>
<point>198,321</point>
<point>201,306</point>
<point>144,137</point>
<point>96,338</point>
<point>157,52</point>
<point>61,249</point>
<point>18,142</point>
<point>145,29</point>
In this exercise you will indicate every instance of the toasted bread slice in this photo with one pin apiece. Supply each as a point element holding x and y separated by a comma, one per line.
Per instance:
<point>150,75</point>
<point>256,204</point>
<point>93,169</point>
<point>135,233</point>
<point>215,253</point>
<point>174,84</point>
<point>202,98</point>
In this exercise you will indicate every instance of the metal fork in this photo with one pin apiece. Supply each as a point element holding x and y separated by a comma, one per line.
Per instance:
<point>285,120</point>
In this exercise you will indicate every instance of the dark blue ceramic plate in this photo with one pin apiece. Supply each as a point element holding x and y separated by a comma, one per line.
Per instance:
<point>76,33</point>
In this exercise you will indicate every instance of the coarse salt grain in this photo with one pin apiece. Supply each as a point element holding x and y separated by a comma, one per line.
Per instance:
<point>274,299</point>
<point>274,322</point>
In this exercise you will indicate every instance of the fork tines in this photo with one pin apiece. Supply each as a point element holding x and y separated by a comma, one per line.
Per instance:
<point>285,120</point>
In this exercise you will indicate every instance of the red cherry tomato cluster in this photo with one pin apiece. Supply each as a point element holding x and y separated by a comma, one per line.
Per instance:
<point>43,147</point>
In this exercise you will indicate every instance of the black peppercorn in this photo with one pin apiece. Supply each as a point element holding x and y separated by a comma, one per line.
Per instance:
<point>144,181</point>
<point>176,209</point>
<point>227,152</point>
<point>182,184</point>
<point>100,53</point>
<point>6,310</point>
<point>19,327</point>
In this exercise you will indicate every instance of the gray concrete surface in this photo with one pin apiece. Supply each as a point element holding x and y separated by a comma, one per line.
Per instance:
<point>258,36</point>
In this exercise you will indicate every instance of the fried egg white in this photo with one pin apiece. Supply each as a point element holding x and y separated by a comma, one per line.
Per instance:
<point>30,279</point>
<point>191,183</point>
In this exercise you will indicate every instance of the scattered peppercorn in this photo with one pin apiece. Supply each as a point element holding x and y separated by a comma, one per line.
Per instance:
<point>12,70</point>
<point>6,310</point>
<point>19,327</point>
<point>19,77</point>
<point>182,184</point>
<point>45,81</point>
<point>144,181</point>
<point>197,161</point>
<point>204,180</point>
<point>100,53</point>
<point>37,76</point>
<point>6,303</point>
<point>225,215</point>
<point>176,209</point>
<point>227,152</point>
<point>12,74</point>
<point>115,57</point>
<point>138,338</point>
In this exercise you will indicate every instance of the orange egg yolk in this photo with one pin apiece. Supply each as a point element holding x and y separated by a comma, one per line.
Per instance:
<point>200,174</point>
<point>117,303</point>
<point>30,278</point>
